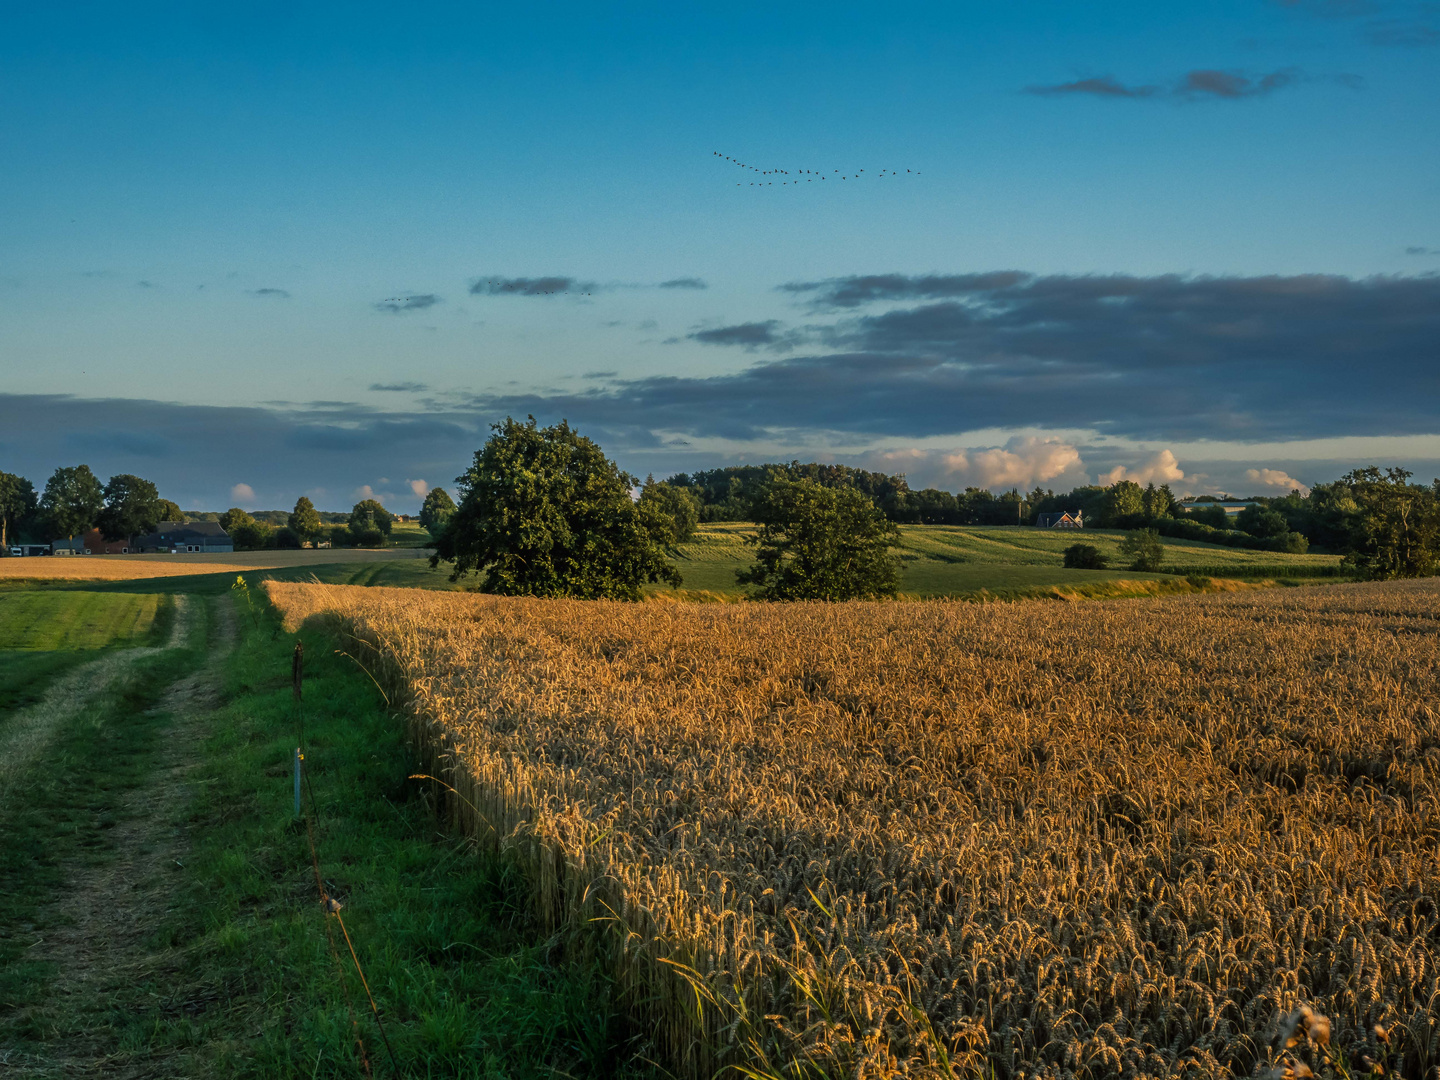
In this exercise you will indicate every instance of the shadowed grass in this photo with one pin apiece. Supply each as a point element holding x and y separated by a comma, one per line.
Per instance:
<point>57,817</point>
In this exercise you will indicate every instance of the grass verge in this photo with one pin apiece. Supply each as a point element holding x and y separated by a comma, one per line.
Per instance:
<point>56,818</point>
<point>466,984</point>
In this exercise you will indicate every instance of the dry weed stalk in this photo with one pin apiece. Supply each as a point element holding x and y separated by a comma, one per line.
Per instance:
<point>932,839</point>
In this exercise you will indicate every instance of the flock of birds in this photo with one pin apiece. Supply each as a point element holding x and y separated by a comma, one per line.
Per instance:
<point>807,176</point>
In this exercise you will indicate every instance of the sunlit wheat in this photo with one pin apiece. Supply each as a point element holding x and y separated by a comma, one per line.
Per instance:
<point>1111,838</point>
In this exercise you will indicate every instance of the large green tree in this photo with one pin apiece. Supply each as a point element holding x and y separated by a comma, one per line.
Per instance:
<point>170,511</point>
<point>370,523</point>
<point>132,506</point>
<point>1143,548</point>
<point>72,501</point>
<point>543,512</point>
<point>1123,499</point>
<point>1397,534</point>
<point>670,508</point>
<point>17,504</point>
<point>304,521</point>
<point>245,532</point>
<point>436,511</point>
<point>819,543</point>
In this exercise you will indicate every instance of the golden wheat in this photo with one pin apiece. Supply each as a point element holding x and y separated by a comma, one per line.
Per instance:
<point>1114,838</point>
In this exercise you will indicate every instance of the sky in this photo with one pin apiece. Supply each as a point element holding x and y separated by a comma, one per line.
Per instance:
<point>253,252</point>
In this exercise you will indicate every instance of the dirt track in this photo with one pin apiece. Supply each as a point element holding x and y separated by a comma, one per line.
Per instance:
<point>107,913</point>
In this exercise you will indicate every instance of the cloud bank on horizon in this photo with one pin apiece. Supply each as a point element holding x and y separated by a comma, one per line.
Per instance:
<point>899,372</point>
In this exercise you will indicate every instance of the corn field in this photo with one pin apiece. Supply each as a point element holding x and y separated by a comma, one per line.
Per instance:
<point>932,839</point>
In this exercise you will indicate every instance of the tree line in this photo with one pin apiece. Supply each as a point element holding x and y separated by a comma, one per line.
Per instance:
<point>74,501</point>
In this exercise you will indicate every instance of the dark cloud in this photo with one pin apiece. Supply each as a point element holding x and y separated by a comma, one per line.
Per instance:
<point>401,387</point>
<point>849,292</point>
<point>1403,33</point>
<point>1233,84</point>
<point>554,285</point>
<point>279,294</point>
<point>1396,25</point>
<point>1150,357</point>
<point>395,305</point>
<point>1097,86</point>
<point>684,283</point>
<point>1422,251</point>
<point>1196,84</point>
<point>600,374</point>
<point>900,358</point>
<point>751,335</point>
<point>195,453</point>
<point>146,285</point>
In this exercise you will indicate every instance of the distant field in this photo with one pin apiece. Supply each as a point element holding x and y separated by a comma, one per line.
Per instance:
<point>45,634</point>
<point>939,560</point>
<point>73,620</point>
<point>132,567</point>
<point>945,560</point>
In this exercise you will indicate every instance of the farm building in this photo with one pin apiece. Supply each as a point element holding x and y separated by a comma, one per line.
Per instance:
<point>1064,520</point>
<point>91,543</point>
<point>195,536</point>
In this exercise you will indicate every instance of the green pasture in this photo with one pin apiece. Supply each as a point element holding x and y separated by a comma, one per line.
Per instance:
<point>44,620</point>
<point>948,560</point>
<point>938,561</point>
<point>45,634</point>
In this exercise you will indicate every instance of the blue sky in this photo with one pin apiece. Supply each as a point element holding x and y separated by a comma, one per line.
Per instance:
<point>220,230</point>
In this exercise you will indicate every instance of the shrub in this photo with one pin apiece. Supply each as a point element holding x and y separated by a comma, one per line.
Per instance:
<point>1084,557</point>
<point>1144,549</point>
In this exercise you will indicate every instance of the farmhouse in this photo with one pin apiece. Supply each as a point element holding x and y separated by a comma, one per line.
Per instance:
<point>174,537</point>
<point>1064,520</point>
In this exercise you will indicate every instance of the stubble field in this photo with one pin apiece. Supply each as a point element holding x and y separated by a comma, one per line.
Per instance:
<point>924,838</point>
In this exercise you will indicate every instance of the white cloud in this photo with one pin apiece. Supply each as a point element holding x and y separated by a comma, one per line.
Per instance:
<point>364,491</point>
<point>242,493</point>
<point>1022,462</point>
<point>419,487</point>
<point>1276,478</point>
<point>1161,468</point>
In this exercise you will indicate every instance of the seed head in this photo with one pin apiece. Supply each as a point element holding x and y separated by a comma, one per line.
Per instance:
<point>1318,1028</point>
<point>1381,1034</point>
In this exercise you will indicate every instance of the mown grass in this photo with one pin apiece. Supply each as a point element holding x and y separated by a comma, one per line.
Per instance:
<point>73,619</point>
<point>57,817</point>
<point>466,983</point>
<point>45,634</point>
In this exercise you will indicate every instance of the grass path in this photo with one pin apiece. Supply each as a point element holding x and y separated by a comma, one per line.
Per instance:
<point>159,916</point>
<point>106,914</point>
<point>25,735</point>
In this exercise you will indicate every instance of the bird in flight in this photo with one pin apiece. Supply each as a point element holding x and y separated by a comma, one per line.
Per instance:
<point>808,174</point>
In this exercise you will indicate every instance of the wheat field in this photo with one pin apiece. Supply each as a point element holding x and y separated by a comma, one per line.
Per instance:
<point>876,839</point>
<point>139,567</point>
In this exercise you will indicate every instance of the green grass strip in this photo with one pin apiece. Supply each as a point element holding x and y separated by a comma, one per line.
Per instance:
<point>467,985</point>
<point>56,819</point>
